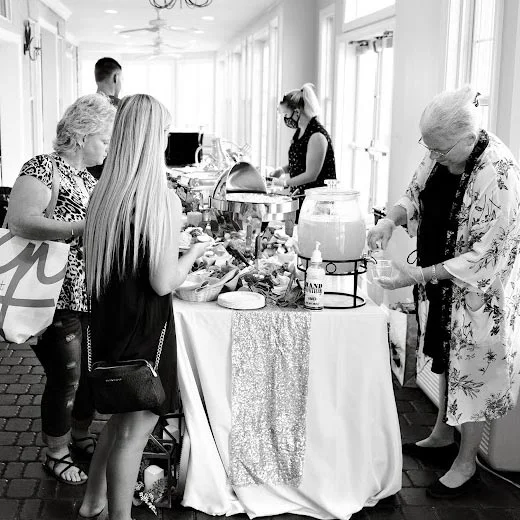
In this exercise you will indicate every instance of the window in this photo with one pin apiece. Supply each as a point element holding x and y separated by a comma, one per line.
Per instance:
<point>194,99</point>
<point>247,95</point>
<point>326,65</point>
<point>473,50</point>
<point>5,9</point>
<point>355,9</point>
<point>364,117</point>
<point>184,86</point>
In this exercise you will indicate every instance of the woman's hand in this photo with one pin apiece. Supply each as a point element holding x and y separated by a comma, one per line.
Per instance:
<point>278,172</point>
<point>403,276</point>
<point>281,181</point>
<point>199,248</point>
<point>380,234</point>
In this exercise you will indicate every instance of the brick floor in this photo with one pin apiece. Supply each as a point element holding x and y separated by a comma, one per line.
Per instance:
<point>27,493</point>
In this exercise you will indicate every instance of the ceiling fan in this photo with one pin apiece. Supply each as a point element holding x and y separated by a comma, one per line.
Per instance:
<point>159,49</point>
<point>155,26</point>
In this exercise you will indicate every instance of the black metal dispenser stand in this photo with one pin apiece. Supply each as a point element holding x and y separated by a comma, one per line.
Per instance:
<point>352,300</point>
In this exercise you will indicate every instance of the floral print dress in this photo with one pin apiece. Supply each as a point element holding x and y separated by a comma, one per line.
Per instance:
<point>481,328</point>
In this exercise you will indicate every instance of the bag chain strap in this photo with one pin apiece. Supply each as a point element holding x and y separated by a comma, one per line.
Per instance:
<point>157,357</point>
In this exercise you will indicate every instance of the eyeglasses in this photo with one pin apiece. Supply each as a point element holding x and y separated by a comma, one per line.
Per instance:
<point>439,153</point>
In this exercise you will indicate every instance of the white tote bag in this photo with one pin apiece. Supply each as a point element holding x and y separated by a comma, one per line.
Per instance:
<point>31,277</point>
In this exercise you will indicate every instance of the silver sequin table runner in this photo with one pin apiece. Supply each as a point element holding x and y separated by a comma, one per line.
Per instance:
<point>270,367</point>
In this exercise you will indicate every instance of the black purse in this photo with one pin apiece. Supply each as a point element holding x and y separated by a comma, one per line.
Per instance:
<point>127,386</point>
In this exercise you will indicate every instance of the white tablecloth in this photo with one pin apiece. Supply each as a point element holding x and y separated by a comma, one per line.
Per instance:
<point>353,446</point>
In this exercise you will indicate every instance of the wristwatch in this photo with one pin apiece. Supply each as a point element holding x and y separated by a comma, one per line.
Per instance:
<point>434,280</point>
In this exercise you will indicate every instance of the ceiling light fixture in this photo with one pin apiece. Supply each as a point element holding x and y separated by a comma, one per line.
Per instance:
<point>168,4</point>
<point>119,26</point>
<point>110,11</point>
<point>198,31</point>
<point>208,18</point>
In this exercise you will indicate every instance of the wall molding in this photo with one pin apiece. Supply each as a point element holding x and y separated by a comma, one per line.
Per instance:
<point>44,24</point>
<point>71,39</point>
<point>58,7</point>
<point>10,36</point>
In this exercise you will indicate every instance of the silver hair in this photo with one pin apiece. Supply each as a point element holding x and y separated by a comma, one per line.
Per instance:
<point>88,115</point>
<point>452,113</point>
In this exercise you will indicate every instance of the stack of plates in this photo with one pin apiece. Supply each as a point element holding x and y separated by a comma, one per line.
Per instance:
<point>241,300</point>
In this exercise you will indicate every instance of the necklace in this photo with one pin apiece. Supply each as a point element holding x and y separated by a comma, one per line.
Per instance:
<point>82,189</point>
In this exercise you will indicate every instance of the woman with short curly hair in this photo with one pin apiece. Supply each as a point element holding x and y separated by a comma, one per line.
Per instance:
<point>82,139</point>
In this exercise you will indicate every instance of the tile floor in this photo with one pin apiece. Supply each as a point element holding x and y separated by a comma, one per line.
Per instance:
<point>27,493</point>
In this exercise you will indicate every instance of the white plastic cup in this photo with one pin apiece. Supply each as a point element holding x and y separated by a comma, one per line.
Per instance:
<point>383,268</point>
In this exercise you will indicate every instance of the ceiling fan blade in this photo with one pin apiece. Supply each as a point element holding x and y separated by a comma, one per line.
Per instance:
<point>151,29</point>
<point>173,28</point>
<point>170,46</point>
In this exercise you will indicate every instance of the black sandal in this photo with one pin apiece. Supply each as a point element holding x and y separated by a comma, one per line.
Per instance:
<point>82,452</point>
<point>67,463</point>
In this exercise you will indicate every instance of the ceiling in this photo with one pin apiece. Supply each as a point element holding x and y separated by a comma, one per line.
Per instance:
<point>95,30</point>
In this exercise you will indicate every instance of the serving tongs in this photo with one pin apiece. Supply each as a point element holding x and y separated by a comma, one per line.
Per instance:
<point>237,254</point>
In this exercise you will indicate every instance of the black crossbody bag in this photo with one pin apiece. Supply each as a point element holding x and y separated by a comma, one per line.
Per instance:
<point>126,386</point>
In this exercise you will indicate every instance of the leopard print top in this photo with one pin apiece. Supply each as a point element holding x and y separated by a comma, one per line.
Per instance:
<point>71,206</point>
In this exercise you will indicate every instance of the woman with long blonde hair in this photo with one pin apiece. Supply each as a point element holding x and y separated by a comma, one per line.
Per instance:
<point>133,265</point>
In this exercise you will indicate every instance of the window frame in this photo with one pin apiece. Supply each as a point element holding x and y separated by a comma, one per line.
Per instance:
<point>252,97</point>
<point>367,20</point>
<point>344,129</point>
<point>326,64</point>
<point>8,11</point>
<point>459,65</point>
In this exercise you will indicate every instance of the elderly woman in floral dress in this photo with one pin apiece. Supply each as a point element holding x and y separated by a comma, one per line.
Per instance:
<point>463,205</point>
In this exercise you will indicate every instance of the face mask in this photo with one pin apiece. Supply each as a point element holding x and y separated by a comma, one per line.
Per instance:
<point>290,122</point>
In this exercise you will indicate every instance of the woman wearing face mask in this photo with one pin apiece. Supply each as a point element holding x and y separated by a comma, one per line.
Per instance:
<point>311,156</point>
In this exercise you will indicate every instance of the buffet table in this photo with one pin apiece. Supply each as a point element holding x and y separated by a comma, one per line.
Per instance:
<point>352,440</point>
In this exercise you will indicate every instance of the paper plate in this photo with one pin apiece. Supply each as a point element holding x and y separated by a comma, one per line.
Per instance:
<point>241,300</point>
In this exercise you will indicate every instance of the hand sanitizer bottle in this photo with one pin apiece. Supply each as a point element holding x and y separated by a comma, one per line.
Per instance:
<point>314,282</point>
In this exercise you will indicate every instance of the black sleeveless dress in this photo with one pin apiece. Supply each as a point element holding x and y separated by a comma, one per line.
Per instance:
<point>126,324</point>
<point>298,156</point>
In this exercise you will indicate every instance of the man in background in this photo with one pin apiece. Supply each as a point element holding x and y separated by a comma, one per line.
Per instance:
<point>107,73</point>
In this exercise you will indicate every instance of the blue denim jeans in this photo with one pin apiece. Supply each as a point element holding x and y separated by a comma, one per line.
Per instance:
<point>66,399</point>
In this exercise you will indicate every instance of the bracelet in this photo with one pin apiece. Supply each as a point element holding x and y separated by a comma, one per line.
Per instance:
<point>434,280</point>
